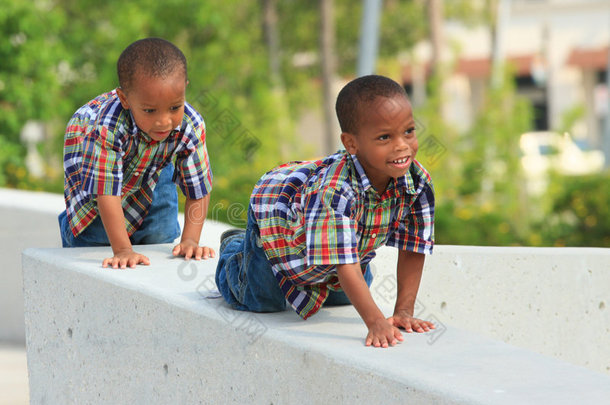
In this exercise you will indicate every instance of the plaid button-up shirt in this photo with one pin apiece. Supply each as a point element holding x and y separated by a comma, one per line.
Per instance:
<point>315,215</point>
<point>105,153</point>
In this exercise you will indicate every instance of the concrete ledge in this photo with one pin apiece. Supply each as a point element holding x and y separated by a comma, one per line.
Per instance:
<point>150,335</point>
<point>554,301</point>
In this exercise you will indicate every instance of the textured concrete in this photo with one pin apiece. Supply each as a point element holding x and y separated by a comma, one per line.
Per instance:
<point>552,301</point>
<point>152,335</point>
<point>555,301</point>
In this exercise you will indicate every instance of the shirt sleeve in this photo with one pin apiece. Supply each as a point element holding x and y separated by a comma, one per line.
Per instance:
<point>102,162</point>
<point>415,231</point>
<point>193,173</point>
<point>330,232</point>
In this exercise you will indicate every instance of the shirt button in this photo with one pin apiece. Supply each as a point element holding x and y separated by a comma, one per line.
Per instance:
<point>136,174</point>
<point>374,235</point>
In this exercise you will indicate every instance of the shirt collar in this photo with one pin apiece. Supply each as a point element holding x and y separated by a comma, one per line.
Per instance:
<point>403,184</point>
<point>360,176</point>
<point>133,128</point>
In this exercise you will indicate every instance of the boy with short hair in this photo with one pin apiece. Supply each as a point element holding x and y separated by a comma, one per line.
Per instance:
<point>313,227</point>
<point>119,183</point>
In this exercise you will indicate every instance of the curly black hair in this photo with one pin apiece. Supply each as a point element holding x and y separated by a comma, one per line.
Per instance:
<point>357,94</point>
<point>154,57</point>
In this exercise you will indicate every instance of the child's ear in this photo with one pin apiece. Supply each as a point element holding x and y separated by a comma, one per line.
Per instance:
<point>123,98</point>
<point>349,142</point>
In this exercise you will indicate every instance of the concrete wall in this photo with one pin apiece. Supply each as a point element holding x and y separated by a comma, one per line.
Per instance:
<point>27,219</point>
<point>156,335</point>
<point>554,301</point>
<point>551,301</point>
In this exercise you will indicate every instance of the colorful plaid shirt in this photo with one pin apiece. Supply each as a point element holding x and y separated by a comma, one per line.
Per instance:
<point>315,215</point>
<point>105,153</point>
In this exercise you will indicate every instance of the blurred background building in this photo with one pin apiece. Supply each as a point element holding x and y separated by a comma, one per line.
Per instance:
<point>558,50</point>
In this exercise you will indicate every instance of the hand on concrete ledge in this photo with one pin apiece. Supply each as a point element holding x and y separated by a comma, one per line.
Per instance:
<point>125,258</point>
<point>402,319</point>
<point>382,333</point>
<point>191,249</point>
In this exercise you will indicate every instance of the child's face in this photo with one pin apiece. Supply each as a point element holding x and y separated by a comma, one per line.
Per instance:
<point>385,143</point>
<point>156,103</point>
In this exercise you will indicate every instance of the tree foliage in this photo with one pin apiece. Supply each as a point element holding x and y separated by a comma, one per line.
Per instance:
<point>580,212</point>
<point>62,53</point>
<point>58,54</point>
<point>30,53</point>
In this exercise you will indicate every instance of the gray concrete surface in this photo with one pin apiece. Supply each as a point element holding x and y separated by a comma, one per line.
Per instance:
<point>553,301</point>
<point>155,335</point>
<point>522,296</point>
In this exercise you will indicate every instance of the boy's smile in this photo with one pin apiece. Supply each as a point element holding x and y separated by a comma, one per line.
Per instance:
<point>156,103</point>
<point>385,144</point>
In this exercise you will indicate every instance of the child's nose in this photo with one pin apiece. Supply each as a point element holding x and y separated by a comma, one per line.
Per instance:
<point>164,120</point>
<point>402,144</point>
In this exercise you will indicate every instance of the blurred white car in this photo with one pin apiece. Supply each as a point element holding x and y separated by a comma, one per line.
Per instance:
<point>546,151</point>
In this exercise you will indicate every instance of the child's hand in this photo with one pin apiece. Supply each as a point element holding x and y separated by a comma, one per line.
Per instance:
<point>125,258</point>
<point>382,333</point>
<point>402,319</point>
<point>191,249</point>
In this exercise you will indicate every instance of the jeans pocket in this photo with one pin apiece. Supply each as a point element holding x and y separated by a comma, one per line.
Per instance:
<point>234,269</point>
<point>65,232</point>
<point>242,275</point>
<point>67,237</point>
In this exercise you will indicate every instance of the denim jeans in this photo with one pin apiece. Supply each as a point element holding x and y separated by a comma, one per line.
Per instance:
<point>160,224</point>
<point>244,276</point>
<point>245,279</point>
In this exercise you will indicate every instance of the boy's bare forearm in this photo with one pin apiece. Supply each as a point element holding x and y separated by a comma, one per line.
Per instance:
<point>195,212</point>
<point>113,219</point>
<point>353,284</point>
<point>408,275</point>
<point>381,332</point>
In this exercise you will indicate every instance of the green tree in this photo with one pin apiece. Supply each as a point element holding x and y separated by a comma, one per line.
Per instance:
<point>30,53</point>
<point>477,175</point>
<point>58,54</point>
<point>62,53</point>
<point>30,78</point>
<point>580,212</point>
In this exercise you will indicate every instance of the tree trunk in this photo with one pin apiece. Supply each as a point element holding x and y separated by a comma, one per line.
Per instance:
<point>271,38</point>
<point>435,18</point>
<point>328,65</point>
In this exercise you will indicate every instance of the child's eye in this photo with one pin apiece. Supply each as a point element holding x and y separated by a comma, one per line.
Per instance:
<point>176,107</point>
<point>149,110</point>
<point>410,131</point>
<point>384,137</point>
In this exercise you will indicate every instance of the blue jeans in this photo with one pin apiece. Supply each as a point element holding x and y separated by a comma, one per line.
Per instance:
<point>245,279</point>
<point>160,224</point>
<point>244,276</point>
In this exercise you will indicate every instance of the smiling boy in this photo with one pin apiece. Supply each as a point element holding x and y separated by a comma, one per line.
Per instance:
<point>313,227</point>
<point>120,150</point>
